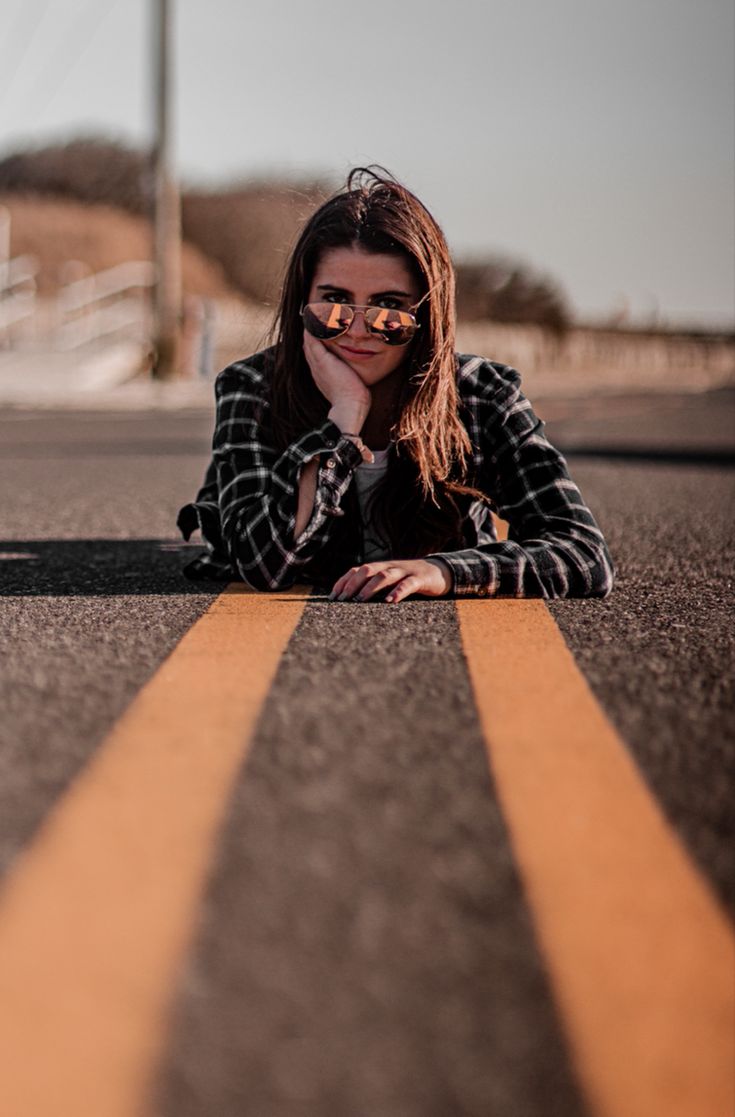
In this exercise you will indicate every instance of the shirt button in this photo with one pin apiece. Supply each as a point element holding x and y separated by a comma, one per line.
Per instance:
<point>331,463</point>
<point>483,591</point>
<point>330,443</point>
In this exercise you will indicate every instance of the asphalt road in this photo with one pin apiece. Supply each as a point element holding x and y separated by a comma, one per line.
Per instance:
<point>366,788</point>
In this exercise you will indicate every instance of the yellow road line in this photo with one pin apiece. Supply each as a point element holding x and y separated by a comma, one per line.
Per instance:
<point>98,913</point>
<point>639,953</point>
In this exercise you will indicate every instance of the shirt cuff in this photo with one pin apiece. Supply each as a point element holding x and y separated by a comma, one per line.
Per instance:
<point>339,457</point>
<point>473,574</point>
<point>328,437</point>
<point>342,455</point>
<point>338,463</point>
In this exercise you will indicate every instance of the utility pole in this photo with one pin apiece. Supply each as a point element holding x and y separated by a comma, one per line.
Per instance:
<point>167,209</point>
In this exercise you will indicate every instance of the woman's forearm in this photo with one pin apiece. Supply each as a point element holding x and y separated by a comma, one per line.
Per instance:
<point>349,415</point>
<point>307,494</point>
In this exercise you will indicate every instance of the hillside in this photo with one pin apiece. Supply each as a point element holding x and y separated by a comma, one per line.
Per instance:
<point>56,230</point>
<point>250,227</point>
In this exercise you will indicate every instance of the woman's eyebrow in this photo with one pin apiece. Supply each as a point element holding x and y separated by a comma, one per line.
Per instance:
<point>376,295</point>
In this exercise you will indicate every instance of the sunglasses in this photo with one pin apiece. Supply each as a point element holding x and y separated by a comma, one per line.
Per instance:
<point>328,320</point>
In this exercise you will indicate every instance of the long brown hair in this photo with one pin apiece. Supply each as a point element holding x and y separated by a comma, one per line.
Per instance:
<point>416,505</point>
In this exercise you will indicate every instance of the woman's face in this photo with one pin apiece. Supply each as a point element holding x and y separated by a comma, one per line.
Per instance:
<point>350,275</point>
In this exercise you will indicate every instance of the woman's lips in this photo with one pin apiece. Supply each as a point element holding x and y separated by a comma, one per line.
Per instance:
<point>356,352</point>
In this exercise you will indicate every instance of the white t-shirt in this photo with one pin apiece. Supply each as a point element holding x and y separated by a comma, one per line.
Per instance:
<point>367,476</point>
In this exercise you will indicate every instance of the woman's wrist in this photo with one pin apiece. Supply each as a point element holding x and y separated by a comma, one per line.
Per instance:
<point>349,416</point>
<point>446,572</point>
<point>365,451</point>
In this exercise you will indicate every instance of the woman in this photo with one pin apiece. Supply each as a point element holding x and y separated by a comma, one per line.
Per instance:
<point>362,453</point>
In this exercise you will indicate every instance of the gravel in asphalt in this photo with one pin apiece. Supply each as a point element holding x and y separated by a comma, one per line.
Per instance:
<point>364,885</point>
<point>658,652</point>
<point>365,906</point>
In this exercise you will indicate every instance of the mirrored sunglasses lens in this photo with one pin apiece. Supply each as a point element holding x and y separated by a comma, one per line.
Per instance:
<point>325,320</point>
<point>396,327</point>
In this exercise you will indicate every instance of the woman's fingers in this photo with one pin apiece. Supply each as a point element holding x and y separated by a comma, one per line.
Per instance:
<point>408,585</point>
<point>380,581</point>
<point>339,586</point>
<point>334,378</point>
<point>352,582</point>
<point>360,583</point>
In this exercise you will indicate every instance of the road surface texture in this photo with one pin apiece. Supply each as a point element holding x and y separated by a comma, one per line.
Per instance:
<point>364,942</point>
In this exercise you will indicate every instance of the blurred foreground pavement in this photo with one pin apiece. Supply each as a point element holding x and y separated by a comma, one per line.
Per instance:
<point>364,945</point>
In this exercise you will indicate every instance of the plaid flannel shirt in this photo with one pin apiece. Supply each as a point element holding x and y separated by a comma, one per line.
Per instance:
<point>246,508</point>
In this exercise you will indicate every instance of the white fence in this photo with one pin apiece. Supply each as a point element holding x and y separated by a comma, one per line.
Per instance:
<point>98,306</point>
<point>599,360</point>
<point>88,308</point>
<point>92,309</point>
<point>17,292</point>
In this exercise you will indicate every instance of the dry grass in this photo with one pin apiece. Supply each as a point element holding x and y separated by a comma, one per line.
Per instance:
<point>55,231</point>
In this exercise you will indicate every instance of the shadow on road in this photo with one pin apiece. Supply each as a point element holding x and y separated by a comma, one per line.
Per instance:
<point>80,450</point>
<point>97,567</point>
<point>662,455</point>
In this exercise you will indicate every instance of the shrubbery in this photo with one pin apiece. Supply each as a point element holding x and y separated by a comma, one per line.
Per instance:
<point>250,228</point>
<point>507,291</point>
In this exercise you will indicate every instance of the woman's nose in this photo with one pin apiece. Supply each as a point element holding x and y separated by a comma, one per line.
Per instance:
<point>358,326</point>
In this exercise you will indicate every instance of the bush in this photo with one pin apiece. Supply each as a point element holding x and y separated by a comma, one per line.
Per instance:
<point>505,291</point>
<point>87,170</point>
<point>249,229</point>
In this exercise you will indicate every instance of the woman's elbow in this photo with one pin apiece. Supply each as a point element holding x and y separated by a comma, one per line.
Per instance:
<point>259,573</point>
<point>261,578</point>
<point>602,572</point>
<point>581,568</point>
<point>260,569</point>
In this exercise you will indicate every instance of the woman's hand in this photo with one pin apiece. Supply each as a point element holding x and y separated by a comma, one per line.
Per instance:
<point>339,384</point>
<point>402,577</point>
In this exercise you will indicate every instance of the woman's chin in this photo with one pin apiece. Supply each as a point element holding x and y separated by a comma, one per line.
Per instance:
<point>364,369</point>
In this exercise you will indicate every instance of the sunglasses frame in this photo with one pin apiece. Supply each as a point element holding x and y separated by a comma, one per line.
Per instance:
<point>382,334</point>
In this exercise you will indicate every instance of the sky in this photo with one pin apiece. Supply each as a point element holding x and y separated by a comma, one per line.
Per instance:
<point>593,140</point>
